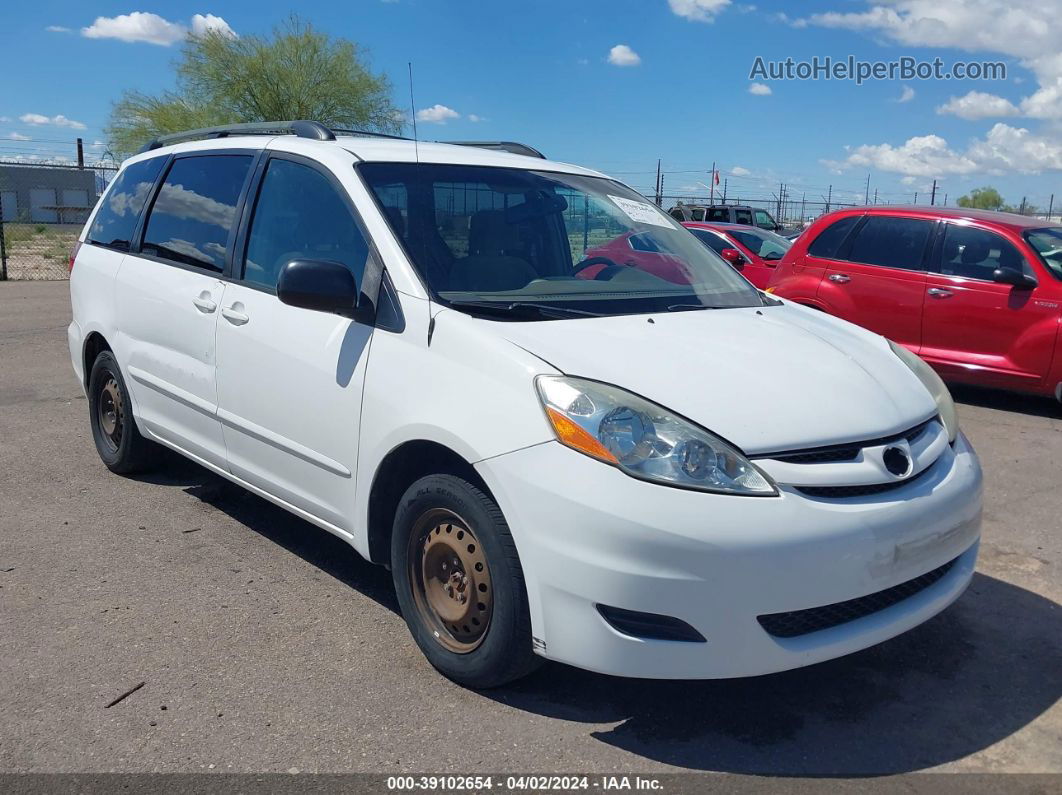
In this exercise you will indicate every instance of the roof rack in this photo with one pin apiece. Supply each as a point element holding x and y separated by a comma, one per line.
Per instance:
<point>501,146</point>
<point>368,134</point>
<point>303,129</point>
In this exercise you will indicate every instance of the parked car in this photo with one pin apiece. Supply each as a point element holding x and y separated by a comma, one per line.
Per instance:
<point>753,252</point>
<point>726,214</point>
<point>976,294</point>
<point>635,250</point>
<point>392,341</point>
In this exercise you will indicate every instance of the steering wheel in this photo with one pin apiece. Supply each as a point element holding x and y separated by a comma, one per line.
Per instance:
<point>604,274</point>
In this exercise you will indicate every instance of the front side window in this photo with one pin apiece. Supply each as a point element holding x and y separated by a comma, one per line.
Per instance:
<point>116,219</point>
<point>715,242</point>
<point>195,210</point>
<point>891,242</point>
<point>743,217</point>
<point>764,220</point>
<point>1047,243</point>
<point>300,215</point>
<point>974,253</point>
<point>499,237</point>
<point>764,244</point>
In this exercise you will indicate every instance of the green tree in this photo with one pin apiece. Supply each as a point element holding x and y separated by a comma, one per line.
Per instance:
<point>986,198</point>
<point>297,73</point>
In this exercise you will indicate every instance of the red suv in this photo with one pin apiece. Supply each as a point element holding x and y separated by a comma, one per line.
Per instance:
<point>976,294</point>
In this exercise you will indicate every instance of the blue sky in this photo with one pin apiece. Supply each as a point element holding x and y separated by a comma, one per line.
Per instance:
<point>677,87</point>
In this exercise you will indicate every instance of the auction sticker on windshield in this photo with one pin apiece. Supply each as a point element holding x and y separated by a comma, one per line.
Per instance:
<point>641,212</point>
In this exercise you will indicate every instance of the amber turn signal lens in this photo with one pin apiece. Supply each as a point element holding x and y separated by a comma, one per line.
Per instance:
<point>570,434</point>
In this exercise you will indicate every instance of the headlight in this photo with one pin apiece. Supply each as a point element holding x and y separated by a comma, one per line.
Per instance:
<point>929,378</point>
<point>645,440</point>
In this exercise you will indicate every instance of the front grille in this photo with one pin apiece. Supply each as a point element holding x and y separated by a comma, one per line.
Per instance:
<point>802,622</point>
<point>866,490</point>
<point>843,452</point>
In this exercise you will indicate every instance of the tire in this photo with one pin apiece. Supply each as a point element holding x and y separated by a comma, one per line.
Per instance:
<point>484,639</point>
<point>118,441</point>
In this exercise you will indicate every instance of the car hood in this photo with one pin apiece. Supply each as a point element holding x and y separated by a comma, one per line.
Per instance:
<point>769,379</point>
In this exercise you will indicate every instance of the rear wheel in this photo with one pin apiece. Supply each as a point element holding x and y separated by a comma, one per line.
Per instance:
<point>118,441</point>
<point>460,584</point>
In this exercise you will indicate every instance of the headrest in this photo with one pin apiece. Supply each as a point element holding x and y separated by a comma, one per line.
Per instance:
<point>974,252</point>
<point>489,233</point>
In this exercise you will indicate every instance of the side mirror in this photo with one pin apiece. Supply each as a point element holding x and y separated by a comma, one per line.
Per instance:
<point>318,284</point>
<point>1013,277</point>
<point>734,257</point>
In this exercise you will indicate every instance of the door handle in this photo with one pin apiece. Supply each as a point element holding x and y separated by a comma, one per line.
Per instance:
<point>234,315</point>
<point>840,278</point>
<point>203,303</point>
<point>939,292</point>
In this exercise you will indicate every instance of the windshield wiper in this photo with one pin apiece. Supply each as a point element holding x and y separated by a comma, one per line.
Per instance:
<point>689,307</point>
<point>505,308</point>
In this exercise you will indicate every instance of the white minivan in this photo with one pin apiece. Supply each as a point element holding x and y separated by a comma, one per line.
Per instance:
<point>637,464</point>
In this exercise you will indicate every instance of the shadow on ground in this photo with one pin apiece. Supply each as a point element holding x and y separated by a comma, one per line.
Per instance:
<point>969,678</point>
<point>1033,405</point>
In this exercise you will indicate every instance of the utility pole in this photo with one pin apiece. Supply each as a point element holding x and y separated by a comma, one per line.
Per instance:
<point>781,190</point>
<point>80,153</point>
<point>875,195</point>
<point>1022,210</point>
<point>1050,206</point>
<point>659,185</point>
<point>916,197</point>
<point>866,193</point>
<point>725,181</point>
<point>803,199</point>
<point>711,182</point>
<point>933,195</point>
<point>945,200</point>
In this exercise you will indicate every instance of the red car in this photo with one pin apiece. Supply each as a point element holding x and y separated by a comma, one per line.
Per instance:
<point>635,250</point>
<point>976,294</point>
<point>754,252</point>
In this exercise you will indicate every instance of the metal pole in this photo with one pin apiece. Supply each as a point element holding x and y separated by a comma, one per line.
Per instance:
<point>866,194</point>
<point>916,197</point>
<point>80,154</point>
<point>725,181</point>
<point>711,182</point>
<point>829,195</point>
<point>659,184</point>
<point>3,245</point>
<point>1022,210</point>
<point>933,195</point>
<point>1050,207</point>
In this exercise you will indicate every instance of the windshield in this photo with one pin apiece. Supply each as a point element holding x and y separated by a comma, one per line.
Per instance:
<point>484,237</point>
<point>762,243</point>
<point>1048,244</point>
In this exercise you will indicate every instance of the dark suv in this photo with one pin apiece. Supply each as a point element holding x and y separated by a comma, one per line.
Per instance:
<point>726,214</point>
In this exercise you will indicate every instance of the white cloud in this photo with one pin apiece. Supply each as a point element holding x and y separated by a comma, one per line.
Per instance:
<point>1004,149</point>
<point>701,10</point>
<point>205,23</point>
<point>978,105</point>
<point>906,95</point>
<point>738,171</point>
<point>760,89</point>
<point>437,114</point>
<point>622,55</point>
<point>142,26</point>
<point>4,119</point>
<point>58,29</point>
<point>474,118</point>
<point>58,121</point>
<point>17,137</point>
<point>1028,30</point>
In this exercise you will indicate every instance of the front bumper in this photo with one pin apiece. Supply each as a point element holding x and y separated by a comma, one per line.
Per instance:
<point>588,534</point>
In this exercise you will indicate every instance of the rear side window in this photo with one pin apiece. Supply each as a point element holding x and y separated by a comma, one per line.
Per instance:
<point>891,242</point>
<point>300,215</point>
<point>720,214</point>
<point>828,244</point>
<point>698,214</point>
<point>195,211</point>
<point>743,217</point>
<point>116,219</point>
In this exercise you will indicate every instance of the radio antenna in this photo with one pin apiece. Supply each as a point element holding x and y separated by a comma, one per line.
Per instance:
<point>413,112</point>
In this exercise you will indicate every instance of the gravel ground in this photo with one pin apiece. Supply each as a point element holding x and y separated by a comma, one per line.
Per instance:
<point>266,645</point>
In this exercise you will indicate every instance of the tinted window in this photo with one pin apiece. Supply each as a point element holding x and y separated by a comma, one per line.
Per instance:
<point>711,239</point>
<point>743,216</point>
<point>698,214</point>
<point>114,223</point>
<point>677,214</point>
<point>300,215</point>
<point>1048,245</point>
<point>719,214</point>
<point>829,241</point>
<point>975,253</point>
<point>196,209</point>
<point>762,243</point>
<point>891,242</point>
<point>763,219</point>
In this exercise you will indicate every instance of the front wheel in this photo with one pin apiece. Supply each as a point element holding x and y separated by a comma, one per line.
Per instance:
<point>460,584</point>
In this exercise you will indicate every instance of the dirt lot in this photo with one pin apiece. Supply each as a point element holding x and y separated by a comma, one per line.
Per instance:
<point>265,644</point>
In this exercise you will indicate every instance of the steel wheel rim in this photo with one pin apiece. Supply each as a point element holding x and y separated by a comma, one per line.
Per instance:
<point>110,413</point>
<point>450,580</point>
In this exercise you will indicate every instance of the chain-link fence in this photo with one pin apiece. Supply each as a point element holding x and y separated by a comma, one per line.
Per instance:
<point>42,210</point>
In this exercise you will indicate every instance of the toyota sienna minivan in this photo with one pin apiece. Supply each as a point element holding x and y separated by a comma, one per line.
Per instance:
<point>646,473</point>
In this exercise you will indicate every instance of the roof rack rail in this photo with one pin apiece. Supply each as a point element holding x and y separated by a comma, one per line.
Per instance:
<point>313,130</point>
<point>502,146</point>
<point>367,134</point>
